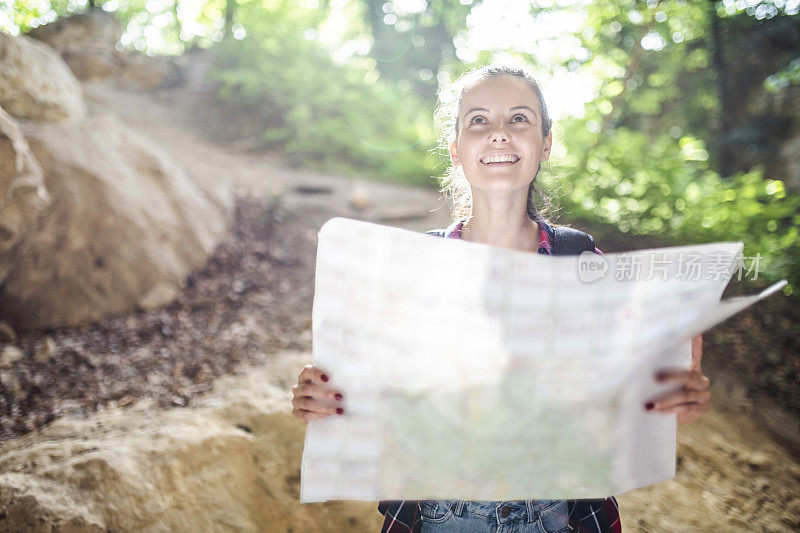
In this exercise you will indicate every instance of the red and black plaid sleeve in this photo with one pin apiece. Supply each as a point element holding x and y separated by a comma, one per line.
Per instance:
<point>400,516</point>
<point>595,516</point>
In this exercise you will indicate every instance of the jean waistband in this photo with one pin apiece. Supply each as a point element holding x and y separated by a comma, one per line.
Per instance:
<point>503,511</point>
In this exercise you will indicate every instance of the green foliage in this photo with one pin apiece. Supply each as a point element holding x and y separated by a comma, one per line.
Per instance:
<point>649,59</point>
<point>788,76</point>
<point>643,157</point>
<point>19,16</point>
<point>664,187</point>
<point>322,114</point>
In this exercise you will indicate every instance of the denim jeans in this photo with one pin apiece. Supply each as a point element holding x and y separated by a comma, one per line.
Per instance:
<point>532,516</point>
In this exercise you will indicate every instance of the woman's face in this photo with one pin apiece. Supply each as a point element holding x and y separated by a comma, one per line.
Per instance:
<point>500,142</point>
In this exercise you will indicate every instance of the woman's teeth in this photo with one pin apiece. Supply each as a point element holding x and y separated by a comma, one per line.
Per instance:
<point>499,159</point>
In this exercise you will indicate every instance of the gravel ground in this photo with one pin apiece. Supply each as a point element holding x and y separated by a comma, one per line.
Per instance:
<point>252,298</point>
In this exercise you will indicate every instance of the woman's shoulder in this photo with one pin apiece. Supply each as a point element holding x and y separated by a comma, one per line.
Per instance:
<point>565,240</point>
<point>569,241</point>
<point>453,230</point>
<point>566,233</point>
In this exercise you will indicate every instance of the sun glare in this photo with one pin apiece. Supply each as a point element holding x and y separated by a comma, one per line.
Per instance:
<point>503,26</point>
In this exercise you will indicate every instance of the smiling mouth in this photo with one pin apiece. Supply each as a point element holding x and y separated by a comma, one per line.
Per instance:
<point>499,159</point>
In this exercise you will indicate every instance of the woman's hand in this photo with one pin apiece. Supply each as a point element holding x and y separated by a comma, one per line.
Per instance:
<point>691,402</point>
<point>312,398</point>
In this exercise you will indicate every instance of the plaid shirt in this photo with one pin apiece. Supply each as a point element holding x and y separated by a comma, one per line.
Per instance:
<point>585,516</point>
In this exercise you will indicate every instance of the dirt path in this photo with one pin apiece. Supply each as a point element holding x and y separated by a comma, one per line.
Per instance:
<point>253,299</point>
<point>731,476</point>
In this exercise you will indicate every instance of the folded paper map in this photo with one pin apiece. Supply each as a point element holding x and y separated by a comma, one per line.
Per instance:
<point>476,372</point>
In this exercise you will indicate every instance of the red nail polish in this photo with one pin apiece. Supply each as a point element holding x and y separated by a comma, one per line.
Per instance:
<point>661,376</point>
<point>649,405</point>
<point>339,410</point>
<point>337,396</point>
<point>324,377</point>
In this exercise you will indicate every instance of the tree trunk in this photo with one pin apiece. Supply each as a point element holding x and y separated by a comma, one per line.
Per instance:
<point>230,9</point>
<point>724,93</point>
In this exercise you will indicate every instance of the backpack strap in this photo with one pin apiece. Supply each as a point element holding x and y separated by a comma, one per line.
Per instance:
<point>568,241</point>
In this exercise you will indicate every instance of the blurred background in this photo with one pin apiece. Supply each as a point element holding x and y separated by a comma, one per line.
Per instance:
<point>165,166</point>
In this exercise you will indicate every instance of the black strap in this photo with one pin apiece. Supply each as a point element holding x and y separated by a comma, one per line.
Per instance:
<point>568,241</point>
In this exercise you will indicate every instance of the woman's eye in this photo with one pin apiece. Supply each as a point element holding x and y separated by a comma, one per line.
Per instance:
<point>520,115</point>
<point>475,120</point>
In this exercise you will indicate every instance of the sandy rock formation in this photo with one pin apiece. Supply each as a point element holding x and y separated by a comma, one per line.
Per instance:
<point>231,463</point>
<point>125,225</point>
<point>22,191</point>
<point>151,72</point>
<point>85,41</point>
<point>35,83</point>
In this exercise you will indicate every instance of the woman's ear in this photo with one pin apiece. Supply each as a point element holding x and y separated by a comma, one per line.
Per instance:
<point>454,154</point>
<point>548,144</point>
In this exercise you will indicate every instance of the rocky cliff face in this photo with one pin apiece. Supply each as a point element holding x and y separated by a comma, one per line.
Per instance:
<point>22,192</point>
<point>87,43</point>
<point>125,222</point>
<point>36,84</point>
<point>229,463</point>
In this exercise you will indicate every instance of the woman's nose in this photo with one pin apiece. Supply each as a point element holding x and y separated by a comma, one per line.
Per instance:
<point>499,136</point>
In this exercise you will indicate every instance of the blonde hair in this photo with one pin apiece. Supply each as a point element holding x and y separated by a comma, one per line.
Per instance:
<point>454,184</point>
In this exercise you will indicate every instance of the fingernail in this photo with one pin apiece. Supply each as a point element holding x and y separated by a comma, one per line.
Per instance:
<point>324,377</point>
<point>339,410</point>
<point>649,405</point>
<point>337,396</point>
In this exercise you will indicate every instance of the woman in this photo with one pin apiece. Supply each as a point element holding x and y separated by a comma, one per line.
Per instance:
<point>497,130</point>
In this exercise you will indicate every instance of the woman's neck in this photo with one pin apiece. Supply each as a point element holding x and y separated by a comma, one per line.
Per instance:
<point>507,227</point>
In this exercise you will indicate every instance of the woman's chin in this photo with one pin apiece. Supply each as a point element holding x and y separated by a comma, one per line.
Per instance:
<point>500,183</point>
<point>501,177</point>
